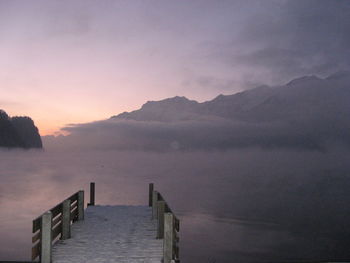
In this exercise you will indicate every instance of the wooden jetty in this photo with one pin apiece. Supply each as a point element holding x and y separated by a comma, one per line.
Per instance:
<point>69,233</point>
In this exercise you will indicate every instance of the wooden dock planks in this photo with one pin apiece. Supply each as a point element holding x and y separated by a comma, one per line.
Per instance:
<point>112,234</point>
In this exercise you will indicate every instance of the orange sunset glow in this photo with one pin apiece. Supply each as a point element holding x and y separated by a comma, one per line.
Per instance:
<point>163,131</point>
<point>71,65</point>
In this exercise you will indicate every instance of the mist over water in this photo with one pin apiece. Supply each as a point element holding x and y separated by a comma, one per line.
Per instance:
<point>246,205</point>
<point>262,175</point>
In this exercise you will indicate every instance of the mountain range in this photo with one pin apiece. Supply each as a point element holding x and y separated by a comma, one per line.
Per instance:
<point>18,132</point>
<point>306,113</point>
<point>303,98</point>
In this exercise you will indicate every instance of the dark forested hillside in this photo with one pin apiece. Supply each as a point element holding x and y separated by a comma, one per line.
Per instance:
<point>18,132</point>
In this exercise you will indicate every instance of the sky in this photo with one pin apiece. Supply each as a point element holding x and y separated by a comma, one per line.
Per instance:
<point>79,61</point>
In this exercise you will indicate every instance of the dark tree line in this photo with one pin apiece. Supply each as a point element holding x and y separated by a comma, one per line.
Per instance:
<point>18,132</point>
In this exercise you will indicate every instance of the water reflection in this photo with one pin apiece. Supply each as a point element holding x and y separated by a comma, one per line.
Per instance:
<point>211,239</point>
<point>242,206</point>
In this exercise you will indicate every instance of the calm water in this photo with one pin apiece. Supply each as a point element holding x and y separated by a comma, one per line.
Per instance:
<point>242,206</point>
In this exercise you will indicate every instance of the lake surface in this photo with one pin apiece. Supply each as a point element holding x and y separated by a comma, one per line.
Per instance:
<point>239,206</point>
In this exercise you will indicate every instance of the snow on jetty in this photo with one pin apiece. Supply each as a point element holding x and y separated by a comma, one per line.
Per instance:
<point>112,234</point>
<point>134,234</point>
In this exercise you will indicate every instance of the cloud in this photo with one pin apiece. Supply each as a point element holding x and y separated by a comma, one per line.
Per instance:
<point>307,37</point>
<point>194,135</point>
<point>281,40</point>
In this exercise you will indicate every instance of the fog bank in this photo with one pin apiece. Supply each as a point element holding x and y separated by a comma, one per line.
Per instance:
<point>286,200</point>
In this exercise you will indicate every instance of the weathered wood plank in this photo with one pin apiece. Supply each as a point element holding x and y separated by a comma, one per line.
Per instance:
<point>176,251</point>
<point>36,237</point>
<point>73,203</point>
<point>176,237</point>
<point>92,193</point>
<point>74,214</point>
<point>35,251</point>
<point>73,197</point>
<point>177,221</point>
<point>168,243</point>
<point>150,192</point>
<point>154,204</point>
<point>80,204</point>
<point>167,208</point>
<point>56,210</point>
<point>160,197</point>
<point>160,212</point>
<point>36,224</point>
<point>66,209</point>
<point>74,206</point>
<point>177,224</point>
<point>46,238</point>
<point>56,220</point>
<point>56,231</point>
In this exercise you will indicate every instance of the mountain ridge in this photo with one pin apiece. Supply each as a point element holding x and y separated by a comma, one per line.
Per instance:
<point>307,113</point>
<point>264,103</point>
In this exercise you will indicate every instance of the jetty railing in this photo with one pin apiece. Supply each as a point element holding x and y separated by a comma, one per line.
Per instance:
<point>168,225</point>
<point>55,224</point>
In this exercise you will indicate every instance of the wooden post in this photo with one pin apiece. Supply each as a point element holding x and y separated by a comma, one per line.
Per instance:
<point>154,204</point>
<point>46,238</point>
<point>65,219</point>
<point>168,243</point>
<point>92,194</point>
<point>81,205</point>
<point>160,212</point>
<point>150,192</point>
